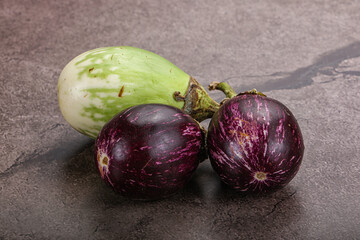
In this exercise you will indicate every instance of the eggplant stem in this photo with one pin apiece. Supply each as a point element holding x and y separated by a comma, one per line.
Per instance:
<point>224,87</point>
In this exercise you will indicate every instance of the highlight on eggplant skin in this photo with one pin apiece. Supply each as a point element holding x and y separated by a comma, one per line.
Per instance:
<point>148,151</point>
<point>255,143</point>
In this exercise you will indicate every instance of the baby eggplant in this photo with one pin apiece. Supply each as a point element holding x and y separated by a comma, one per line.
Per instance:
<point>254,142</point>
<point>100,83</point>
<point>149,151</point>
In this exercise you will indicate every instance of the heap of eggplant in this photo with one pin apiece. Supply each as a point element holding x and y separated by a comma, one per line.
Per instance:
<point>144,113</point>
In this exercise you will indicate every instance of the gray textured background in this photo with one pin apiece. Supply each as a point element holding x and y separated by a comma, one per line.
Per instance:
<point>306,54</point>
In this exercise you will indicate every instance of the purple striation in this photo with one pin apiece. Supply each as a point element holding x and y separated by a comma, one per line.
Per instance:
<point>148,151</point>
<point>255,143</point>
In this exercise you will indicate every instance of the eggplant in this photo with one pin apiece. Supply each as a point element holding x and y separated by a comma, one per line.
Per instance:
<point>149,151</point>
<point>98,84</point>
<point>254,142</point>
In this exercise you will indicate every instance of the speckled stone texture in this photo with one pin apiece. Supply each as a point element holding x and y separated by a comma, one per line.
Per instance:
<point>306,54</point>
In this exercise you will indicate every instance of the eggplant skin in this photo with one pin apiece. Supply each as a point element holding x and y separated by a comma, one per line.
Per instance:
<point>149,151</point>
<point>255,143</point>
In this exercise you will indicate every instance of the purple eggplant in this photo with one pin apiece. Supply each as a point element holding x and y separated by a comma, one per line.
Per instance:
<point>149,151</point>
<point>255,143</point>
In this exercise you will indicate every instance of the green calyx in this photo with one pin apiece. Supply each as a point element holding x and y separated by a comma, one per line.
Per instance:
<point>197,102</point>
<point>253,92</point>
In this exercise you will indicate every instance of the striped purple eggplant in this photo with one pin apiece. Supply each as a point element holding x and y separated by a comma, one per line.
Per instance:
<point>149,151</point>
<point>255,143</point>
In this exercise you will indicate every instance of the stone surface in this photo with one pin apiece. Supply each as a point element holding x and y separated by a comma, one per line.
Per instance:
<point>306,54</point>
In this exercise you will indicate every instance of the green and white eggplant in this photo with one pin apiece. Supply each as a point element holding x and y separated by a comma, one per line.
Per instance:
<point>100,83</point>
